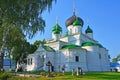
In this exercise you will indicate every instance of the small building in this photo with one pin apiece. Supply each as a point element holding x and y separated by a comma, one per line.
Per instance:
<point>115,66</point>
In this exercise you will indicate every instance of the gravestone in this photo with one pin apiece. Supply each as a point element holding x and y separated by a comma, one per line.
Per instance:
<point>49,65</point>
<point>63,69</point>
<point>73,72</point>
<point>79,71</point>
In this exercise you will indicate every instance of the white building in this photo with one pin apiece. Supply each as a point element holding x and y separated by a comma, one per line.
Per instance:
<point>73,50</point>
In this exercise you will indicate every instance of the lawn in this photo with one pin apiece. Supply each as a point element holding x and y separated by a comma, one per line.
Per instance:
<point>68,76</point>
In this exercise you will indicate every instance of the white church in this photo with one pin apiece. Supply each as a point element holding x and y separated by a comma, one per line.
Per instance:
<point>73,50</point>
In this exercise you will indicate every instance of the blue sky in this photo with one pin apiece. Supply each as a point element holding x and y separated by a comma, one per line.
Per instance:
<point>102,15</point>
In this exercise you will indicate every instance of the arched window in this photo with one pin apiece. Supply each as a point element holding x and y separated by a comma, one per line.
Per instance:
<point>99,56</point>
<point>43,57</point>
<point>70,31</point>
<point>75,30</point>
<point>31,61</point>
<point>28,61</point>
<point>76,58</point>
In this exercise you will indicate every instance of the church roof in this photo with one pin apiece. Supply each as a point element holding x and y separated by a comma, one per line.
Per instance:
<point>88,44</point>
<point>114,64</point>
<point>71,46</point>
<point>92,44</point>
<point>88,30</point>
<point>70,20</point>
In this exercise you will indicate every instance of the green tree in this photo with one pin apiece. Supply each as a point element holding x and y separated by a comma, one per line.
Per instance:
<point>25,15</point>
<point>14,38</point>
<point>37,43</point>
<point>116,58</point>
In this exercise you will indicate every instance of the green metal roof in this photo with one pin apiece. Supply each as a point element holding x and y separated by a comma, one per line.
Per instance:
<point>77,23</point>
<point>72,46</point>
<point>92,44</point>
<point>88,44</point>
<point>56,29</point>
<point>88,30</point>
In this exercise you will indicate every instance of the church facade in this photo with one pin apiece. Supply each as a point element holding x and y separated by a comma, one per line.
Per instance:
<point>71,51</point>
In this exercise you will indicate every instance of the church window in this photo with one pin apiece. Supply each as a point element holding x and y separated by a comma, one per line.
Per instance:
<point>28,61</point>
<point>43,58</point>
<point>70,31</point>
<point>99,56</point>
<point>31,61</point>
<point>77,58</point>
<point>75,30</point>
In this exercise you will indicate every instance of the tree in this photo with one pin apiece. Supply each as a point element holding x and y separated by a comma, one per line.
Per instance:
<point>14,38</point>
<point>25,15</point>
<point>37,43</point>
<point>116,58</point>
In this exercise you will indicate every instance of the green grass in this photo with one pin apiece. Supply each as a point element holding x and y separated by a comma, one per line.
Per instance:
<point>68,76</point>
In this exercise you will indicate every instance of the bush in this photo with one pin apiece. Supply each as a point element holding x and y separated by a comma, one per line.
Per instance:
<point>2,70</point>
<point>4,76</point>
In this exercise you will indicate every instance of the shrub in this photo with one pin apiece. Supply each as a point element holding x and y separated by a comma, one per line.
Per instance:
<point>20,69</point>
<point>2,70</point>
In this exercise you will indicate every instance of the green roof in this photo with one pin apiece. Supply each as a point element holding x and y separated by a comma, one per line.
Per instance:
<point>72,46</point>
<point>92,44</point>
<point>88,30</point>
<point>77,23</point>
<point>56,29</point>
<point>88,44</point>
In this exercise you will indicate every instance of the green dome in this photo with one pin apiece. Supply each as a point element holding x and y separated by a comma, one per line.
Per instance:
<point>88,44</point>
<point>77,23</point>
<point>88,30</point>
<point>56,29</point>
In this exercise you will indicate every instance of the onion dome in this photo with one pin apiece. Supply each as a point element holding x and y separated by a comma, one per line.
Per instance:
<point>70,20</point>
<point>77,23</point>
<point>56,29</point>
<point>88,30</point>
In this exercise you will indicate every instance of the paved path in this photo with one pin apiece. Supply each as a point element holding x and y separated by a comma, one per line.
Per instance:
<point>26,75</point>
